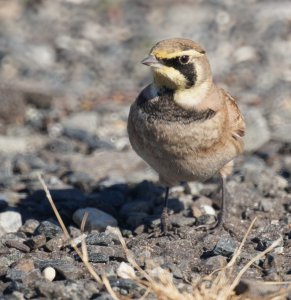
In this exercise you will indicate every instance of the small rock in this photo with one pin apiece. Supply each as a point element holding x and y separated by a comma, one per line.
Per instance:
<point>97,219</point>
<point>10,221</point>
<point>125,271</point>
<point>181,221</point>
<point>173,269</point>
<point>208,210</point>
<point>25,265</point>
<point>31,277</point>
<point>36,241</point>
<point>10,258</point>
<point>69,271</point>
<point>113,252</point>
<point>206,220</point>
<point>225,246</point>
<point>29,226</point>
<point>98,257</point>
<point>215,262</point>
<point>54,263</point>
<point>193,188</point>
<point>49,229</point>
<point>14,274</point>
<point>17,245</point>
<point>267,204</point>
<point>49,273</point>
<point>55,243</point>
<point>100,239</point>
<point>267,237</point>
<point>123,286</point>
<point>196,211</point>
<point>85,121</point>
<point>13,145</point>
<point>3,271</point>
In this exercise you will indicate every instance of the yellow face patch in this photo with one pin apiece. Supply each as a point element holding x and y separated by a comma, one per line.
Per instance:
<point>169,77</point>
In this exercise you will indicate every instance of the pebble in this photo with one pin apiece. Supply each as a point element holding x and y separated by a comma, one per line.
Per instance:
<point>225,246</point>
<point>55,243</point>
<point>97,219</point>
<point>181,221</point>
<point>37,241</point>
<point>173,269</point>
<point>208,210</point>
<point>84,121</point>
<point>46,262</point>
<point>10,221</point>
<point>49,273</point>
<point>10,258</point>
<point>113,252</point>
<point>123,285</point>
<point>17,245</point>
<point>206,220</point>
<point>13,145</point>
<point>25,265</point>
<point>29,226</point>
<point>267,237</point>
<point>70,271</point>
<point>49,229</point>
<point>98,257</point>
<point>100,239</point>
<point>193,188</point>
<point>125,271</point>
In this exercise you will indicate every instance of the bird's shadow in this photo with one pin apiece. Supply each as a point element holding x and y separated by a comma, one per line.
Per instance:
<point>132,205</point>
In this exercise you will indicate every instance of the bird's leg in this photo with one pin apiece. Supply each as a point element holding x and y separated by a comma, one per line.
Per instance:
<point>164,215</point>
<point>220,217</point>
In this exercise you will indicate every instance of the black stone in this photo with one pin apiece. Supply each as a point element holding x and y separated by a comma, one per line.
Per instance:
<point>225,246</point>
<point>49,229</point>
<point>100,239</point>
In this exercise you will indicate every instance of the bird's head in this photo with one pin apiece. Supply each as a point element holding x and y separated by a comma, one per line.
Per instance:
<point>178,64</point>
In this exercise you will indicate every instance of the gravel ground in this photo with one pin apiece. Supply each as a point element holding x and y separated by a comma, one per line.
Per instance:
<point>69,70</point>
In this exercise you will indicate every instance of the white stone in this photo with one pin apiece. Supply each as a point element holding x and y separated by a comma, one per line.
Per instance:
<point>86,121</point>
<point>245,53</point>
<point>10,221</point>
<point>209,210</point>
<point>97,219</point>
<point>49,273</point>
<point>125,271</point>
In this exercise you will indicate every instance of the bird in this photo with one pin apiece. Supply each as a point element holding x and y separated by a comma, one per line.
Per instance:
<point>182,124</point>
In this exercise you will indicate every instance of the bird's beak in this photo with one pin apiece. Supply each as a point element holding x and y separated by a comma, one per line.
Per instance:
<point>151,61</point>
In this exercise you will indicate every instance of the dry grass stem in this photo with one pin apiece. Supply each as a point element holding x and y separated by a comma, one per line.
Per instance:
<point>59,218</point>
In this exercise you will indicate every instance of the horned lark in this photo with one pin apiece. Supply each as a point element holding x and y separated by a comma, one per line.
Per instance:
<point>183,125</point>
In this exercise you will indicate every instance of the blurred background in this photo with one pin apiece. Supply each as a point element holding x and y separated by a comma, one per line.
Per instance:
<point>69,70</point>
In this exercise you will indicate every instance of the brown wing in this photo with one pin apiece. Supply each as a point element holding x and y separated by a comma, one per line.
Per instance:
<point>236,119</point>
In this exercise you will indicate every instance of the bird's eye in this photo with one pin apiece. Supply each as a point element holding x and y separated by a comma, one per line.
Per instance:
<point>184,59</point>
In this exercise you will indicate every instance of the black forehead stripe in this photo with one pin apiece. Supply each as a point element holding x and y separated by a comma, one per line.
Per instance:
<point>187,70</point>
